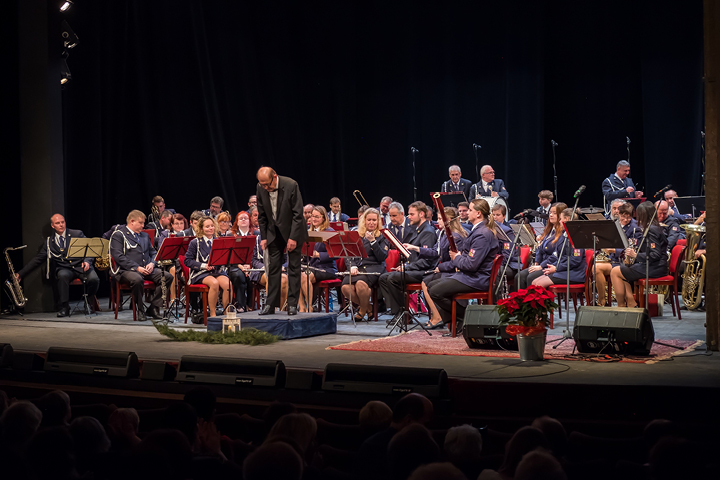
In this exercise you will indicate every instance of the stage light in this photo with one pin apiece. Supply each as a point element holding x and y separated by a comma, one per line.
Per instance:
<point>65,75</point>
<point>66,6</point>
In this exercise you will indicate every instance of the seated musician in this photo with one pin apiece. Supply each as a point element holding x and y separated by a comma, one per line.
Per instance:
<point>463,208</point>
<point>163,224</point>
<point>157,208</point>
<point>506,237</point>
<point>216,205</point>
<point>194,218</point>
<point>399,223</point>
<point>307,212</point>
<point>557,274</point>
<point>671,225</point>
<point>322,267</point>
<point>473,263</point>
<point>64,270</point>
<point>440,251</point>
<point>358,285</point>
<point>614,212</point>
<point>489,186</point>
<point>253,212</point>
<point>335,214</point>
<point>623,276</point>
<point>134,256</point>
<point>547,250</point>
<point>545,198</point>
<point>424,235</point>
<point>177,229</point>
<point>223,221</point>
<point>633,234</point>
<point>252,201</point>
<point>670,196</point>
<point>240,274</point>
<point>196,259</point>
<point>384,210</point>
<point>360,212</point>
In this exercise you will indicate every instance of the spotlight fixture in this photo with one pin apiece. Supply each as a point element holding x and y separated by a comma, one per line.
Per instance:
<point>65,75</point>
<point>66,5</point>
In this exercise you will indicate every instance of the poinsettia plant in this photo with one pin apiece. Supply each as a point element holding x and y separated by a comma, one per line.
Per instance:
<point>526,311</point>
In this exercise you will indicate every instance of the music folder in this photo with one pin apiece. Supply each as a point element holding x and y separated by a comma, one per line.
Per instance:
<point>451,199</point>
<point>172,248</point>
<point>228,251</point>
<point>607,233</point>
<point>345,244</point>
<point>395,242</point>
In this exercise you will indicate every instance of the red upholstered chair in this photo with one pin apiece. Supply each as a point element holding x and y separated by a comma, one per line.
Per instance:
<point>116,289</point>
<point>682,241</point>
<point>575,289</point>
<point>487,295</point>
<point>413,289</point>
<point>202,289</point>
<point>325,286</point>
<point>525,257</point>
<point>670,280</point>
<point>151,234</point>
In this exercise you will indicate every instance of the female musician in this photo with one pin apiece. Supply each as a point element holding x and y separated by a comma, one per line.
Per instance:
<point>547,247</point>
<point>223,221</point>
<point>357,285</point>
<point>240,274</point>
<point>440,250</point>
<point>260,277</point>
<point>177,225</point>
<point>655,243</point>
<point>322,267</point>
<point>557,273</point>
<point>196,258</point>
<point>241,226</point>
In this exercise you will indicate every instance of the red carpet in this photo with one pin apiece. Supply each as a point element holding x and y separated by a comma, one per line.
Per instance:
<point>421,342</point>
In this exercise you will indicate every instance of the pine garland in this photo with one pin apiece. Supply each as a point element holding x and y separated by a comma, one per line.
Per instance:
<point>247,336</point>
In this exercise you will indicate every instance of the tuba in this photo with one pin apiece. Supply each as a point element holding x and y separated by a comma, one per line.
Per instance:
<point>694,275</point>
<point>14,290</point>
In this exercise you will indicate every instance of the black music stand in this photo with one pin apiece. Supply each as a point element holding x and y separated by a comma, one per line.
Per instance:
<point>308,248</point>
<point>86,248</point>
<point>171,249</point>
<point>228,251</point>
<point>451,199</point>
<point>690,204</point>
<point>404,318</point>
<point>346,244</point>
<point>635,202</point>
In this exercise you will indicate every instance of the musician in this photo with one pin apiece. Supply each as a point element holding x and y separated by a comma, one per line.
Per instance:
<point>545,198</point>
<point>158,206</point>
<point>223,224</point>
<point>65,270</point>
<point>307,212</point>
<point>399,224</point>
<point>463,209</point>
<point>547,250</point>
<point>162,225</point>
<point>252,201</point>
<point>614,212</point>
<point>489,186</point>
<point>216,205</point>
<point>670,196</point>
<point>557,273</point>
<point>655,243</point>
<point>633,234</point>
<point>473,263</point>
<point>179,223</point>
<point>197,257</point>
<point>506,238</point>
<point>282,228</point>
<point>254,223</point>
<point>335,214</point>
<point>440,251</point>
<point>240,274</point>
<point>671,225</point>
<point>384,209</point>
<point>134,255</point>
<point>358,286</point>
<point>322,267</point>
<point>194,219</point>
<point>456,183</point>
<point>424,235</point>
<point>619,185</point>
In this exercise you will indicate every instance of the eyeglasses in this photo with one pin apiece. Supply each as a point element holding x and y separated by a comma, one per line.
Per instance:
<point>489,173</point>
<point>316,216</point>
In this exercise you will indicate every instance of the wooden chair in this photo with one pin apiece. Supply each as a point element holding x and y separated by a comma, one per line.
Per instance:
<point>575,289</point>
<point>201,289</point>
<point>487,295</point>
<point>670,281</point>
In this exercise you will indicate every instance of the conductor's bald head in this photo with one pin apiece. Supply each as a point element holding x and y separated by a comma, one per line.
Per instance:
<point>267,178</point>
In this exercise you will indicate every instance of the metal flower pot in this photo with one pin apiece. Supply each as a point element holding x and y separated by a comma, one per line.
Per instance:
<point>531,347</point>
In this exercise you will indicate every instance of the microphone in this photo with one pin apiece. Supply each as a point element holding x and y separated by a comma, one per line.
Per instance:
<point>476,146</point>
<point>414,150</point>
<point>553,143</point>
<point>628,140</point>
<point>666,187</point>
<point>579,191</point>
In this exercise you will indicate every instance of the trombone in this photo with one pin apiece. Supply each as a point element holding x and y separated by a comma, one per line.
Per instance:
<point>359,196</point>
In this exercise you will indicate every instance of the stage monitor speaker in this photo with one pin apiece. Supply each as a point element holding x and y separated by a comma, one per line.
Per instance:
<point>6,355</point>
<point>623,331</point>
<point>482,330</point>
<point>431,382</point>
<point>231,371</point>
<point>92,362</point>
<point>157,370</point>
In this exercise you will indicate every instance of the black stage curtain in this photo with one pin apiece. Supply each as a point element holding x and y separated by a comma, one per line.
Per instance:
<point>187,99</point>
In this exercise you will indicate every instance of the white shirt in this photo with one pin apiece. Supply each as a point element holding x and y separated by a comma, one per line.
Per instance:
<point>273,203</point>
<point>64,239</point>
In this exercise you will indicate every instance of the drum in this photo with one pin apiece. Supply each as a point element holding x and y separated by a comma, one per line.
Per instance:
<point>492,201</point>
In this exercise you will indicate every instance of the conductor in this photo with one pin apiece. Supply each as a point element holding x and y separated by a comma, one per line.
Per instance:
<point>282,226</point>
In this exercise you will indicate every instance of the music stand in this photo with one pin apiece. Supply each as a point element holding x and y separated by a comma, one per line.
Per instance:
<point>635,202</point>
<point>86,248</point>
<point>346,244</point>
<point>227,251</point>
<point>170,250</point>
<point>690,204</point>
<point>402,319</point>
<point>451,199</point>
<point>522,231</point>
<point>338,226</point>
<point>307,250</point>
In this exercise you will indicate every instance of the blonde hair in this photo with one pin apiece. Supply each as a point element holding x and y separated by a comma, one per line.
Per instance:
<point>361,223</point>
<point>325,223</point>
<point>134,215</point>
<point>481,205</point>
<point>453,221</point>
<point>199,227</point>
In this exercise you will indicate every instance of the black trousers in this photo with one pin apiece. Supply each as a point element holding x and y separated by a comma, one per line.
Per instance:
<point>525,278</point>
<point>136,282</point>
<point>391,288</point>
<point>241,285</point>
<point>274,275</point>
<point>67,275</point>
<point>441,291</point>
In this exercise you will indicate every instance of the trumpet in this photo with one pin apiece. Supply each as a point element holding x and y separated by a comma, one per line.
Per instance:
<point>359,196</point>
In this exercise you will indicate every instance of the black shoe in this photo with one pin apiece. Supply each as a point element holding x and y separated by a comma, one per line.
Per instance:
<point>140,316</point>
<point>430,326</point>
<point>267,310</point>
<point>292,310</point>
<point>154,313</point>
<point>64,312</point>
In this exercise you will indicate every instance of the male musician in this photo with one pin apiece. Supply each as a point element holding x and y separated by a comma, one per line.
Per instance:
<point>506,238</point>
<point>134,258</point>
<point>307,212</point>
<point>162,225</point>
<point>252,201</point>
<point>282,227</point>
<point>424,236</point>
<point>614,212</point>
<point>671,225</point>
<point>53,253</point>
<point>463,209</point>
<point>385,211</point>
<point>158,205</point>
<point>216,205</point>
<point>194,219</point>
<point>619,185</point>
<point>456,183</point>
<point>545,198</point>
<point>335,215</point>
<point>489,186</point>
<point>399,224</point>
<point>670,196</point>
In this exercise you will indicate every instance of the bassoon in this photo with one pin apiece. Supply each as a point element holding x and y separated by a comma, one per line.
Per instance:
<point>441,211</point>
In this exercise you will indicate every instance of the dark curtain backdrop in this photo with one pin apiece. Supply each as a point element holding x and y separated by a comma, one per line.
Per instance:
<point>187,99</point>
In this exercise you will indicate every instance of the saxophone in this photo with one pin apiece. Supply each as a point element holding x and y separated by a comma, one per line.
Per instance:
<point>14,290</point>
<point>694,275</point>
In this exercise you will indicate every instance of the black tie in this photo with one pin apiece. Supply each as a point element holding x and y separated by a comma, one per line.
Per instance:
<point>62,242</point>
<point>137,238</point>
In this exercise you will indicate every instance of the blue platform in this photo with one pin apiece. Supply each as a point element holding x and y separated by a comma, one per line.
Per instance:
<point>298,326</point>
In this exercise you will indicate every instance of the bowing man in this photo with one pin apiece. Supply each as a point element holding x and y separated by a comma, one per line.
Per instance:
<point>322,267</point>
<point>473,263</point>
<point>134,256</point>
<point>65,270</point>
<point>424,235</point>
<point>557,274</point>
<point>196,259</point>
<point>456,182</point>
<point>619,185</point>
<point>489,186</point>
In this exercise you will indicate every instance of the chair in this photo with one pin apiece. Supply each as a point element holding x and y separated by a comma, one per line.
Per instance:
<point>201,289</point>
<point>671,281</point>
<point>487,295</point>
<point>391,262</point>
<point>525,257</point>
<point>116,292</point>
<point>151,234</point>
<point>577,288</point>
<point>682,241</point>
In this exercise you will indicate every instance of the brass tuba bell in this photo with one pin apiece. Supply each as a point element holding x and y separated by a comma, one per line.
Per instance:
<point>694,274</point>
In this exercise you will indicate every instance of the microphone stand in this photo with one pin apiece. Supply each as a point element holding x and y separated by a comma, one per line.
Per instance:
<point>554,144</point>
<point>702,179</point>
<point>477,170</point>
<point>414,150</point>
<point>510,259</point>
<point>628,147</point>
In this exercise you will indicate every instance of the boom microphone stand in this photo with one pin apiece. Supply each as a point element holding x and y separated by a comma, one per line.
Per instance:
<point>554,144</point>
<point>702,180</point>
<point>477,170</point>
<point>414,151</point>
